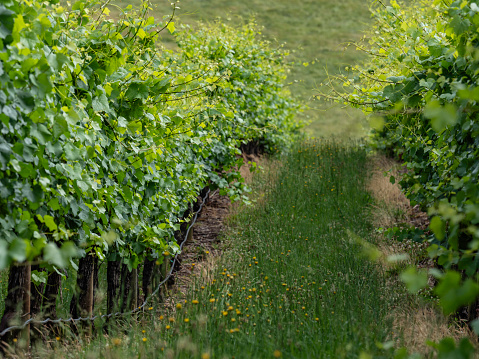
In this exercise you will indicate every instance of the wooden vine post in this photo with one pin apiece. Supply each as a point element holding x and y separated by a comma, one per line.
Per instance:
<point>91,285</point>
<point>27,303</point>
<point>83,304</point>
<point>190,233</point>
<point>134,288</point>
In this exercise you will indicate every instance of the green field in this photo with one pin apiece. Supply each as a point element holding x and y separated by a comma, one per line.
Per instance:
<point>315,32</point>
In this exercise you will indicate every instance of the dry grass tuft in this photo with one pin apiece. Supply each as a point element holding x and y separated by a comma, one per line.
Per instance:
<point>245,171</point>
<point>392,204</point>
<point>423,323</point>
<point>419,321</point>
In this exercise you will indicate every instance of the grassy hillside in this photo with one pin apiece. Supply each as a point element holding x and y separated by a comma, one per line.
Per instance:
<point>315,31</point>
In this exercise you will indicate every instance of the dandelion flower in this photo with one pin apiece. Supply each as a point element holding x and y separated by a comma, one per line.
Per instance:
<point>116,341</point>
<point>277,354</point>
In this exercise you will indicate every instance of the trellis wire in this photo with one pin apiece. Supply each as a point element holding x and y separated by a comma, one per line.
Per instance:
<point>117,314</point>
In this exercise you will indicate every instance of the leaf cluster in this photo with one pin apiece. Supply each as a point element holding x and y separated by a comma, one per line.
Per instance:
<point>106,138</point>
<point>420,88</point>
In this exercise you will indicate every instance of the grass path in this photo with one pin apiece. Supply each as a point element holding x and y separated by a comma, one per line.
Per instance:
<point>293,283</point>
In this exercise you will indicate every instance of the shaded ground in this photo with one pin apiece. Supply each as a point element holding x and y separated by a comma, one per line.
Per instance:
<point>200,251</point>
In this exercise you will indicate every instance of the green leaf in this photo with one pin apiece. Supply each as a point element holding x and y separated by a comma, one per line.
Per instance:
<point>440,116</point>
<point>53,255</point>
<point>137,90</point>
<point>446,349</point>
<point>472,94</point>
<point>43,84</point>
<point>78,5</point>
<point>53,204</point>
<point>41,133</point>
<point>438,227</point>
<point>83,186</point>
<point>5,152</point>
<point>71,115</point>
<point>6,22</point>
<point>26,170</point>
<point>60,127</point>
<point>141,33</point>
<point>69,250</point>
<point>171,27</point>
<point>18,26</point>
<point>74,265</point>
<point>127,194</point>
<point>26,101</point>
<point>50,223</point>
<point>100,104</point>
<point>27,64</point>
<point>72,153</point>
<point>452,294</point>
<point>18,250</point>
<point>112,65</point>
<point>88,218</point>
<point>459,25</point>
<point>413,279</point>
<point>39,277</point>
<point>34,194</point>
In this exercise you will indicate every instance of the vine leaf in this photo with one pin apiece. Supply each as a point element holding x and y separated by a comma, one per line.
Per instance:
<point>171,27</point>
<point>100,104</point>
<point>440,116</point>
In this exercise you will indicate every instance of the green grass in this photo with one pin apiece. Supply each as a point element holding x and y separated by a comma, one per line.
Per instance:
<point>317,31</point>
<point>3,288</point>
<point>292,278</point>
